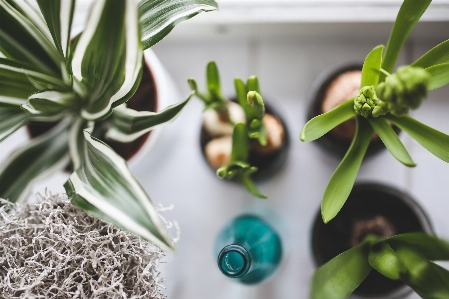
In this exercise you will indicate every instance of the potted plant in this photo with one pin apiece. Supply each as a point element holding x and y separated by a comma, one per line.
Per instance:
<point>83,86</point>
<point>385,98</point>
<point>243,138</point>
<point>373,217</point>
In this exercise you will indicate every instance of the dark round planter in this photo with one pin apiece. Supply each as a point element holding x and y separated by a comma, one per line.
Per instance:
<point>267,164</point>
<point>143,100</point>
<point>338,140</point>
<point>376,209</point>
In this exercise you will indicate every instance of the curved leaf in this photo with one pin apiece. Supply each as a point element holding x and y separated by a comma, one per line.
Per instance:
<point>432,247</point>
<point>437,55</point>
<point>41,157</point>
<point>434,141</point>
<point>371,67</point>
<point>391,141</point>
<point>339,277</point>
<point>11,120</point>
<point>321,124</point>
<point>439,75</point>
<point>250,186</point>
<point>104,187</point>
<point>128,124</point>
<point>158,17</point>
<point>50,102</point>
<point>108,65</point>
<point>409,14</point>
<point>385,260</point>
<point>213,80</point>
<point>342,181</point>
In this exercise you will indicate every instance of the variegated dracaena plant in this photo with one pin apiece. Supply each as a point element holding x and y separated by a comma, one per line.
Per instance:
<point>46,77</point>
<point>385,98</point>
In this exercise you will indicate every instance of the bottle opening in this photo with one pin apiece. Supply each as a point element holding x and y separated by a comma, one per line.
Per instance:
<point>234,261</point>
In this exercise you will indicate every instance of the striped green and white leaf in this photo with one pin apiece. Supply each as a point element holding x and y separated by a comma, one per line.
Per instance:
<point>41,157</point>
<point>158,17</point>
<point>104,187</point>
<point>58,15</point>
<point>11,120</point>
<point>25,36</point>
<point>50,102</point>
<point>129,124</point>
<point>108,65</point>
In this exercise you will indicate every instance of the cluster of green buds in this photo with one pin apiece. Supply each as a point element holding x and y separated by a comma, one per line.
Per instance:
<point>256,127</point>
<point>405,89</point>
<point>366,103</point>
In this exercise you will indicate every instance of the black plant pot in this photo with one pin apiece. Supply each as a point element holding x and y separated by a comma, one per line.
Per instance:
<point>332,141</point>
<point>376,209</point>
<point>267,164</point>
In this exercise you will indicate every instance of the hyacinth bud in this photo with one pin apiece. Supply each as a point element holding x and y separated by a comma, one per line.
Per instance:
<point>366,103</point>
<point>405,89</point>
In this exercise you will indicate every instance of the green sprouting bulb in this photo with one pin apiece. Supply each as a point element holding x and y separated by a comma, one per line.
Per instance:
<point>248,249</point>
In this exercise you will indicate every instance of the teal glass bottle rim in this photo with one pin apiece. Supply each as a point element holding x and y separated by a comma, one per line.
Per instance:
<point>234,261</point>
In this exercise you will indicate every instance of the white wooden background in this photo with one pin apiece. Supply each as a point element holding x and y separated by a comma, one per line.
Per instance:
<point>287,44</point>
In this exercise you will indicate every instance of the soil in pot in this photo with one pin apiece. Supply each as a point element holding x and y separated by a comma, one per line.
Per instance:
<point>330,89</point>
<point>370,209</point>
<point>143,100</point>
<point>268,162</point>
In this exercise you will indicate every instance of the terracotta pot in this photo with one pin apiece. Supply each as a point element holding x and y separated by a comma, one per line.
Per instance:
<point>376,209</point>
<point>325,94</point>
<point>268,164</point>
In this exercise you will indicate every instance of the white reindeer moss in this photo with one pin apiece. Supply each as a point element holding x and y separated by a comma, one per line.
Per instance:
<point>54,250</point>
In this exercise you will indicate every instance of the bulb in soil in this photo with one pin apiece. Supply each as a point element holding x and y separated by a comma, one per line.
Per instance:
<point>275,135</point>
<point>218,151</point>
<point>217,126</point>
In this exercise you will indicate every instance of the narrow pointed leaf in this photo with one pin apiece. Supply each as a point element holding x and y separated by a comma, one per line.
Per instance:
<point>77,141</point>
<point>128,124</point>
<point>439,75</point>
<point>321,124</point>
<point>409,14</point>
<point>391,141</point>
<point>39,158</point>
<point>50,102</point>
<point>427,279</point>
<point>251,186</point>
<point>242,96</point>
<point>104,187</point>
<point>11,120</point>
<point>240,143</point>
<point>432,247</point>
<point>434,141</point>
<point>339,277</point>
<point>342,181</point>
<point>371,67</point>
<point>437,55</point>
<point>385,260</point>
<point>108,65</point>
<point>158,17</point>
<point>253,84</point>
<point>213,80</point>
<point>24,36</point>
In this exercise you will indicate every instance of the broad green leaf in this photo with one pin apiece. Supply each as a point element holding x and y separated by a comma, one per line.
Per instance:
<point>24,36</point>
<point>439,75</point>
<point>427,279</point>
<point>240,143</point>
<point>391,141</point>
<point>321,124</point>
<point>371,67</point>
<point>104,187</point>
<point>432,247</point>
<point>58,15</point>
<point>409,14</point>
<point>342,181</point>
<point>434,141</point>
<point>158,17</point>
<point>50,102</point>
<point>108,65</point>
<point>251,186</point>
<point>11,120</point>
<point>385,260</point>
<point>339,277</point>
<point>213,80</point>
<point>128,124</point>
<point>39,158</point>
<point>437,55</point>
<point>242,97</point>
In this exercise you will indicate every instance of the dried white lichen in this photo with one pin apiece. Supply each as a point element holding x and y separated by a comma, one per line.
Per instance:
<point>54,250</point>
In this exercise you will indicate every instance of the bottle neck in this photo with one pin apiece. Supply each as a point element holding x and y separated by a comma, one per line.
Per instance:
<point>234,261</point>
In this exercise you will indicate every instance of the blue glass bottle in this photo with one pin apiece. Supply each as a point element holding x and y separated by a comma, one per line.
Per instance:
<point>248,249</point>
